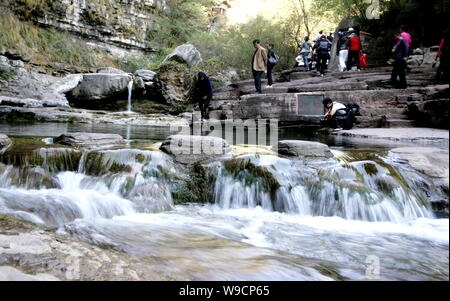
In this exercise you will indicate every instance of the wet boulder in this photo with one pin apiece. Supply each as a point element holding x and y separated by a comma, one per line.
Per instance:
<point>5,142</point>
<point>90,140</point>
<point>99,88</point>
<point>192,149</point>
<point>305,150</point>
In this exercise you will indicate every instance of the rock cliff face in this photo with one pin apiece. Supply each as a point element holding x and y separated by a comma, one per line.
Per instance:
<point>123,23</point>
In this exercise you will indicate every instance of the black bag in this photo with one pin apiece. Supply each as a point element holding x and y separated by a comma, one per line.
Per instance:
<point>275,59</point>
<point>353,109</point>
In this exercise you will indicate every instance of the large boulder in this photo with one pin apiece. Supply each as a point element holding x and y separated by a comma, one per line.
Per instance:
<point>187,54</point>
<point>100,87</point>
<point>146,75</point>
<point>171,84</point>
<point>4,142</point>
<point>192,149</point>
<point>23,88</point>
<point>67,83</point>
<point>90,140</point>
<point>110,70</point>
<point>305,150</point>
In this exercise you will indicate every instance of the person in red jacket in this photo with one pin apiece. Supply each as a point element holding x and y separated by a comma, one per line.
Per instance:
<point>354,49</point>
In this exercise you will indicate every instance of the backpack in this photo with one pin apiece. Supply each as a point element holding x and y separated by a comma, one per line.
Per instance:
<point>323,45</point>
<point>353,109</point>
<point>275,59</point>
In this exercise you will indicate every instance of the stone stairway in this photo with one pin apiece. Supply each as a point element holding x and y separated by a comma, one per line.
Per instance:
<point>380,107</point>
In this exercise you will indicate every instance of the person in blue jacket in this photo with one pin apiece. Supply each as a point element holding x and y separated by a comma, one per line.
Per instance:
<point>205,93</point>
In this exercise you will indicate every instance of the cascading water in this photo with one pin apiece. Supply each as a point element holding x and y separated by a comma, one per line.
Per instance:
<point>130,91</point>
<point>104,184</point>
<point>363,190</point>
<point>295,219</point>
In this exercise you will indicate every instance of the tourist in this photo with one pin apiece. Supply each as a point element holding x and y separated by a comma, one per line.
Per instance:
<point>336,116</point>
<point>400,55</point>
<point>342,51</point>
<point>259,64</point>
<point>330,37</point>
<point>305,51</point>
<point>442,55</point>
<point>407,37</point>
<point>272,61</point>
<point>319,37</point>
<point>354,49</point>
<point>205,93</point>
<point>322,47</point>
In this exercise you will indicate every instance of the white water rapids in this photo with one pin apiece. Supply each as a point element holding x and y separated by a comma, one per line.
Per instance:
<point>321,222</point>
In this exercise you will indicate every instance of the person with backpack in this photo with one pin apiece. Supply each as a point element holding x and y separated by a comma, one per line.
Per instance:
<point>443,56</point>
<point>273,59</point>
<point>322,47</point>
<point>205,93</point>
<point>337,115</point>
<point>354,50</point>
<point>305,51</point>
<point>342,51</point>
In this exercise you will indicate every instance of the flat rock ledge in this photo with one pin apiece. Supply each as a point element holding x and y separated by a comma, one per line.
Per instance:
<point>433,162</point>
<point>422,136</point>
<point>192,149</point>
<point>5,142</point>
<point>90,140</point>
<point>305,150</point>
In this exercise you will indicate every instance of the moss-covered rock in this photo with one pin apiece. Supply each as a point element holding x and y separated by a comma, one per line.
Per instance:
<point>197,188</point>
<point>249,173</point>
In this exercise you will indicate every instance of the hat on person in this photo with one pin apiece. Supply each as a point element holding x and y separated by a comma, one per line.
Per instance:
<point>351,29</point>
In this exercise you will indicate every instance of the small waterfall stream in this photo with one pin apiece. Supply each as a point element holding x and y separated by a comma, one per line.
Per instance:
<point>130,91</point>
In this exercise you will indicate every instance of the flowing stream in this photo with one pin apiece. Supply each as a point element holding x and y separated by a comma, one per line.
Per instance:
<point>268,218</point>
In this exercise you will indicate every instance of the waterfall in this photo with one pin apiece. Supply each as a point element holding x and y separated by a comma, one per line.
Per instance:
<point>364,190</point>
<point>130,91</point>
<point>103,185</point>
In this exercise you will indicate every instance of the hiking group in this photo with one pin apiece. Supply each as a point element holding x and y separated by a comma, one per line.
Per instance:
<point>317,55</point>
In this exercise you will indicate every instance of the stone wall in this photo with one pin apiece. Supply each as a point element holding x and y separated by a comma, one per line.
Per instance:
<point>123,23</point>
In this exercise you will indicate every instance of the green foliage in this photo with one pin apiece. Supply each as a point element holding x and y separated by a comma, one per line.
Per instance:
<point>132,62</point>
<point>233,47</point>
<point>47,46</point>
<point>6,73</point>
<point>186,18</point>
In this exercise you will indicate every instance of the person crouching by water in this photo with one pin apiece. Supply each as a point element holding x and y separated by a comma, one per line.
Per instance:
<point>205,93</point>
<point>337,116</point>
<point>259,64</point>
